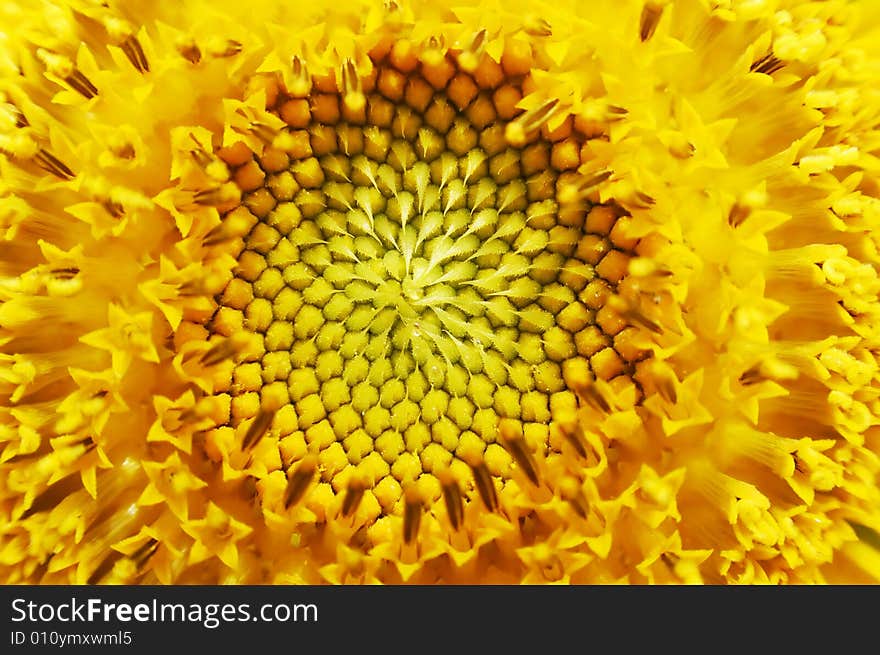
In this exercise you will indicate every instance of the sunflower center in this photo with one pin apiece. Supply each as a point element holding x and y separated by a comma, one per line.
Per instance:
<point>417,280</point>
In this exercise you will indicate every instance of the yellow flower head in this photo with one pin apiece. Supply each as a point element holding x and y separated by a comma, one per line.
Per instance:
<point>371,291</point>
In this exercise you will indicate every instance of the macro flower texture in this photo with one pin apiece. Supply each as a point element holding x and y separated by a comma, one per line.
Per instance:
<point>413,292</point>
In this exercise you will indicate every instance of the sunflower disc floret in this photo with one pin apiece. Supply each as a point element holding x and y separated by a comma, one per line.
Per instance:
<point>402,293</point>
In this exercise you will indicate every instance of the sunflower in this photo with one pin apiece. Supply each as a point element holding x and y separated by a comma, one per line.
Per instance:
<point>396,292</point>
